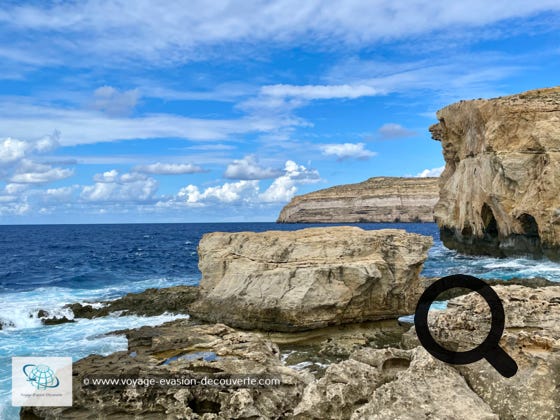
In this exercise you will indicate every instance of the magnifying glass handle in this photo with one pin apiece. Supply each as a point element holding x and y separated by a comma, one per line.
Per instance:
<point>501,361</point>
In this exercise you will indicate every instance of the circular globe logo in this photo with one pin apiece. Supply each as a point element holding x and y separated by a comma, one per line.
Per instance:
<point>41,376</point>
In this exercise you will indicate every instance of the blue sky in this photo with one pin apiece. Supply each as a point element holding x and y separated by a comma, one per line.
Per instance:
<point>116,111</point>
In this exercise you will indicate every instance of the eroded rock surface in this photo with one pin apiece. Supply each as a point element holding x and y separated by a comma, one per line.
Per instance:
<point>383,199</point>
<point>499,190</point>
<point>150,302</point>
<point>391,384</point>
<point>179,350</point>
<point>532,338</point>
<point>372,383</point>
<point>311,278</point>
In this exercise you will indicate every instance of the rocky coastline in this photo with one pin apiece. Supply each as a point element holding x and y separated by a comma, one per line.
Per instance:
<point>381,199</point>
<point>361,376</point>
<point>357,370</point>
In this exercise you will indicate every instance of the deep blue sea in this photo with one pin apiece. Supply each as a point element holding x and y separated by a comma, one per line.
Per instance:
<point>46,267</point>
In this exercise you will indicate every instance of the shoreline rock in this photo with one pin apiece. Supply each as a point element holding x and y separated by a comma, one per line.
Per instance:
<point>531,338</point>
<point>373,383</point>
<point>499,190</point>
<point>382,199</point>
<point>183,352</point>
<point>150,302</point>
<point>307,279</point>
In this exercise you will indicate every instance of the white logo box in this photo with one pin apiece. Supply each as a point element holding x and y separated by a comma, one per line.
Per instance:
<point>41,381</point>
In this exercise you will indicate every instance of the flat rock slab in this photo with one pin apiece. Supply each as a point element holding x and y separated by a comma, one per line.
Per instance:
<point>310,278</point>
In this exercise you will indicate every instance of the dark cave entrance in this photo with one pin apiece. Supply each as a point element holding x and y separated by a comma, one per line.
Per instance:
<point>529,225</point>
<point>489,221</point>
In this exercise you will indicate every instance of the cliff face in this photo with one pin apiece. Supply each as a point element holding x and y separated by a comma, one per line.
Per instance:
<point>385,199</point>
<point>499,192</point>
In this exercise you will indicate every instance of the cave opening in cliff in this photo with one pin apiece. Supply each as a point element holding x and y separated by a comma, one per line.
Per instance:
<point>489,221</point>
<point>529,225</point>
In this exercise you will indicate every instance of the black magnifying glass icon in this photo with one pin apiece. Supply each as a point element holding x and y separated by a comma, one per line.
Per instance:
<point>489,349</point>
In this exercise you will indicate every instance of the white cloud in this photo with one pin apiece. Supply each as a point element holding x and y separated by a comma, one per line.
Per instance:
<point>168,168</point>
<point>13,150</point>
<point>14,208</point>
<point>229,192</point>
<point>310,92</point>
<point>284,187</point>
<point>466,75</point>
<point>347,151</point>
<point>7,198</point>
<point>249,168</point>
<point>394,131</point>
<point>248,192</point>
<point>108,176</point>
<point>19,169</point>
<point>17,166</point>
<point>89,126</point>
<point>15,188</point>
<point>114,102</point>
<point>41,175</point>
<point>119,30</point>
<point>57,194</point>
<point>430,172</point>
<point>128,187</point>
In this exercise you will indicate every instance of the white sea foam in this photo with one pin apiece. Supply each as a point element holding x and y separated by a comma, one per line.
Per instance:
<point>19,310</point>
<point>24,334</point>
<point>505,264</point>
<point>301,365</point>
<point>442,262</point>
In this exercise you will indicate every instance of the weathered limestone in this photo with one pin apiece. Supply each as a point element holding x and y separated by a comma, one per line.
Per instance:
<point>373,383</point>
<point>181,350</point>
<point>311,278</point>
<point>531,338</point>
<point>150,302</point>
<point>384,199</point>
<point>499,190</point>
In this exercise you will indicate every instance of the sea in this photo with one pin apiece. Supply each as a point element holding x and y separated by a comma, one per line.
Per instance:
<point>48,266</point>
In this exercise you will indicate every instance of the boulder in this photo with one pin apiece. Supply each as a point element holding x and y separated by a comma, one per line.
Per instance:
<point>382,199</point>
<point>310,278</point>
<point>499,190</point>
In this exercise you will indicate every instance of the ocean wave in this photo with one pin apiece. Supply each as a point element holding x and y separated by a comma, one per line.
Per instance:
<point>20,309</point>
<point>443,262</point>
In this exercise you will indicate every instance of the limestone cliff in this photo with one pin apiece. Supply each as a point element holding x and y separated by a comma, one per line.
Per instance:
<point>384,199</point>
<point>499,192</point>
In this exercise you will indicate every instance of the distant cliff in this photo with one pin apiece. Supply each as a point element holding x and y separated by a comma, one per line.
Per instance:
<point>384,199</point>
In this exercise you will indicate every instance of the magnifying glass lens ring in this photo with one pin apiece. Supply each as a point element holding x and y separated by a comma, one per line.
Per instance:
<point>490,343</point>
